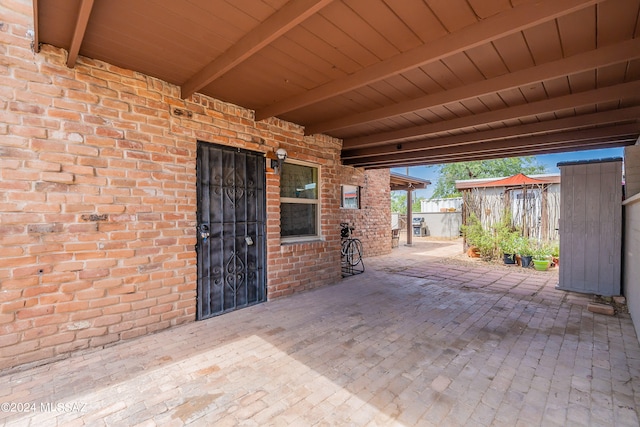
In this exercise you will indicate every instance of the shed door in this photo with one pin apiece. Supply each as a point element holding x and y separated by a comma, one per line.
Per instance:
<point>230,229</point>
<point>591,227</point>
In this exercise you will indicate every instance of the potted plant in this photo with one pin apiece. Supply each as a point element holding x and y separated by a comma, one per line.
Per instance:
<point>555,253</point>
<point>525,250</point>
<point>509,246</point>
<point>507,238</point>
<point>541,257</point>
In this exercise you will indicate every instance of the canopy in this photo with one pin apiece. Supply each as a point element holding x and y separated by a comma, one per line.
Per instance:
<point>517,180</point>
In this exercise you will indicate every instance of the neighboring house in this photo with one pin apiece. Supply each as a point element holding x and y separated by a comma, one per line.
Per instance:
<point>533,202</point>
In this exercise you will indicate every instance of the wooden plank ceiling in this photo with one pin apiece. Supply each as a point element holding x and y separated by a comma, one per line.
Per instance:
<point>401,82</point>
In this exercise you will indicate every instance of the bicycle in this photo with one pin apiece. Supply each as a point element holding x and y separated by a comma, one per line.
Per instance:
<point>351,251</point>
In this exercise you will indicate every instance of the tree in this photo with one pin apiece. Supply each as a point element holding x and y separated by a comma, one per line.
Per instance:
<point>494,168</point>
<point>399,202</point>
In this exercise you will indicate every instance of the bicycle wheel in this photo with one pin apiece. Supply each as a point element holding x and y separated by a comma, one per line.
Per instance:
<point>354,252</point>
<point>344,248</point>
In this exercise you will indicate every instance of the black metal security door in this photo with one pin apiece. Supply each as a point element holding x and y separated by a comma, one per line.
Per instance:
<point>231,218</point>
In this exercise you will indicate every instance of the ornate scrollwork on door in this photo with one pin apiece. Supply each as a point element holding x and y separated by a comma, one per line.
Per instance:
<point>231,202</point>
<point>234,188</point>
<point>235,271</point>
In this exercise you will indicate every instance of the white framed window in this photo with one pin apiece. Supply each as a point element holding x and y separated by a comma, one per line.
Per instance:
<point>350,197</point>
<point>299,201</point>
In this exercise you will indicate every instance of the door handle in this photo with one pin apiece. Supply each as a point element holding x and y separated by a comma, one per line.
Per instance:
<point>204,232</point>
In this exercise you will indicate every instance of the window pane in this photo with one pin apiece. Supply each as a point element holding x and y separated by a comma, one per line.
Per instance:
<point>350,197</point>
<point>297,219</point>
<point>299,181</point>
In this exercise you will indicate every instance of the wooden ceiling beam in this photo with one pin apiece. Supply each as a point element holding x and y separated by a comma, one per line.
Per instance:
<point>484,31</point>
<point>612,54</point>
<point>78,33</point>
<point>281,21</point>
<point>609,93</point>
<point>36,28</point>
<point>407,187</point>
<point>503,153</point>
<point>545,127</point>
<point>569,140</point>
<point>454,158</point>
<point>407,182</point>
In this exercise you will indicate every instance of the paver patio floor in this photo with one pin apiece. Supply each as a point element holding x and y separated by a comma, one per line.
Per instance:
<point>412,341</point>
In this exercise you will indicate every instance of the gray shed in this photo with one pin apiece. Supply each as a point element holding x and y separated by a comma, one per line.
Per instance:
<point>591,226</point>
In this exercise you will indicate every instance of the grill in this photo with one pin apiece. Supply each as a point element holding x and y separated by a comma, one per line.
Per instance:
<point>419,227</point>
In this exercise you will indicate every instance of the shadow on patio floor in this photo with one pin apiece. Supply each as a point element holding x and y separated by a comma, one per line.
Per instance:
<point>412,341</point>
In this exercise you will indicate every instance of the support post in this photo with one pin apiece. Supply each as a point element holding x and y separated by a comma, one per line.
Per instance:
<point>409,218</point>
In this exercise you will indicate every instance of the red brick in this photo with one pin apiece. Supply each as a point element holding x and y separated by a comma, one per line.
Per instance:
<point>159,309</point>
<point>69,266</point>
<point>72,306</point>
<point>122,326</point>
<point>85,315</point>
<point>107,283</point>
<point>118,308</point>
<point>64,114</point>
<point>52,319</point>
<point>57,339</point>
<point>133,333</point>
<point>104,340</point>
<point>76,344</point>
<point>39,332</point>
<point>20,348</point>
<point>55,298</point>
<point>601,309</point>
<point>65,178</point>
<point>7,318</point>
<point>107,320</point>
<point>90,294</point>
<point>10,339</point>
<point>90,333</point>
<point>21,283</point>
<point>94,273</point>
<point>103,302</point>
<point>28,313</point>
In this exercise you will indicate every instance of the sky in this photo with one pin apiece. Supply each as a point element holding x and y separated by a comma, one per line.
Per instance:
<point>549,161</point>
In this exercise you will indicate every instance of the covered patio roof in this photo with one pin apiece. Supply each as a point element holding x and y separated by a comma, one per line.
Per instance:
<point>400,82</point>
<point>405,182</point>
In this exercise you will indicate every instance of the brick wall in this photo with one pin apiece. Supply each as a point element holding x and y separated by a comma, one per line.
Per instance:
<point>295,267</point>
<point>372,221</point>
<point>98,199</point>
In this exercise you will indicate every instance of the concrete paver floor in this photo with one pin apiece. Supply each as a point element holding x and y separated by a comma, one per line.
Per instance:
<point>412,341</point>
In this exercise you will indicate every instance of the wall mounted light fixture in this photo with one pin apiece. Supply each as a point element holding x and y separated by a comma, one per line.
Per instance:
<point>277,159</point>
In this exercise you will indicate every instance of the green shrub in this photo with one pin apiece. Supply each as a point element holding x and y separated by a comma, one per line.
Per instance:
<point>526,246</point>
<point>472,231</point>
<point>542,251</point>
<point>477,236</point>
